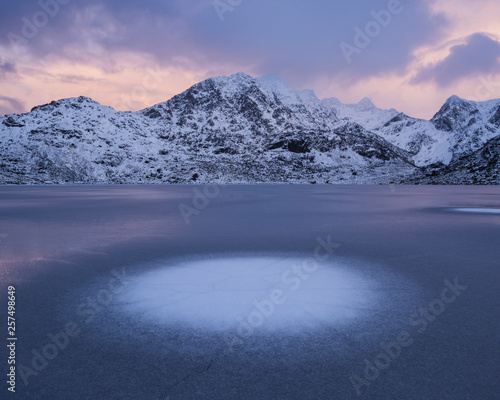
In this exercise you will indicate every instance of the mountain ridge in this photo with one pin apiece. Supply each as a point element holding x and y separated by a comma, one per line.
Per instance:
<point>238,129</point>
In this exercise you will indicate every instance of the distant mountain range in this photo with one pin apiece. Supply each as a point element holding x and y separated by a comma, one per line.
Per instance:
<point>240,129</point>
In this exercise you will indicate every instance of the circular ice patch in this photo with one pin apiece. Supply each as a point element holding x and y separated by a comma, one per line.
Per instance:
<point>265,292</point>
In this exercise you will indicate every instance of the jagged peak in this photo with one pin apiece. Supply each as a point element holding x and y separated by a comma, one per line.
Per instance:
<point>241,75</point>
<point>450,104</point>
<point>79,99</point>
<point>366,102</point>
<point>66,101</point>
<point>332,101</point>
<point>237,77</point>
<point>274,82</point>
<point>455,99</point>
<point>234,79</point>
<point>363,104</point>
<point>307,93</point>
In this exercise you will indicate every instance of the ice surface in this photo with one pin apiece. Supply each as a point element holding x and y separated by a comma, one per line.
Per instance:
<point>269,292</point>
<point>477,210</point>
<point>398,243</point>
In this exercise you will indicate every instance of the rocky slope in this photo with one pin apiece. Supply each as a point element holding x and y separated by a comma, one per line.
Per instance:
<point>239,129</point>
<point>482,167</point>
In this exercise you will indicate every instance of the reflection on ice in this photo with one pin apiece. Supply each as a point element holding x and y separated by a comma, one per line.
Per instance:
<point>269,292</point>
<point>477,210</point>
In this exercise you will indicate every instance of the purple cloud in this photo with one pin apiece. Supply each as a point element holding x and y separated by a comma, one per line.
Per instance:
<point>7,67</point>
<point>479,55</point>
<point>9,105</point>
<point>297,39</point>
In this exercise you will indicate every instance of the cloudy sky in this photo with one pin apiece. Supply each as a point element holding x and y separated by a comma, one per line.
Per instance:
<point>130,54</point>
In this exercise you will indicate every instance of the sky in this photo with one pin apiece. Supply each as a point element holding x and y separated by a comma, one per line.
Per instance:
<point>410,55</point>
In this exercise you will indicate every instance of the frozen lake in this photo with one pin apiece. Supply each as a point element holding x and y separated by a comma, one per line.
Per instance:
<point>253,292</point>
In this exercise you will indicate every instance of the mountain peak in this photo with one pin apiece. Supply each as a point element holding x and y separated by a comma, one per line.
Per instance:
<point>272,80</point>
<point>366,103</point>
<point>237,78</point>
<point>274,84</point>
<point>454,99</point>
<point>75,101</point>
<point>308,94</point>
<point>241,75</point>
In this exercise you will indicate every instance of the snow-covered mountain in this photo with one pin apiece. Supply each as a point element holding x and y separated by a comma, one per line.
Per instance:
<point>459,128</point>
<point>482,167</point>
<point>237,129</point>
<point>364,113</point>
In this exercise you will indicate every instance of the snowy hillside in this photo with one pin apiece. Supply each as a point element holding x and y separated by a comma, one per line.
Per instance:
<point>237,129</point>
<point>482,167</point>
